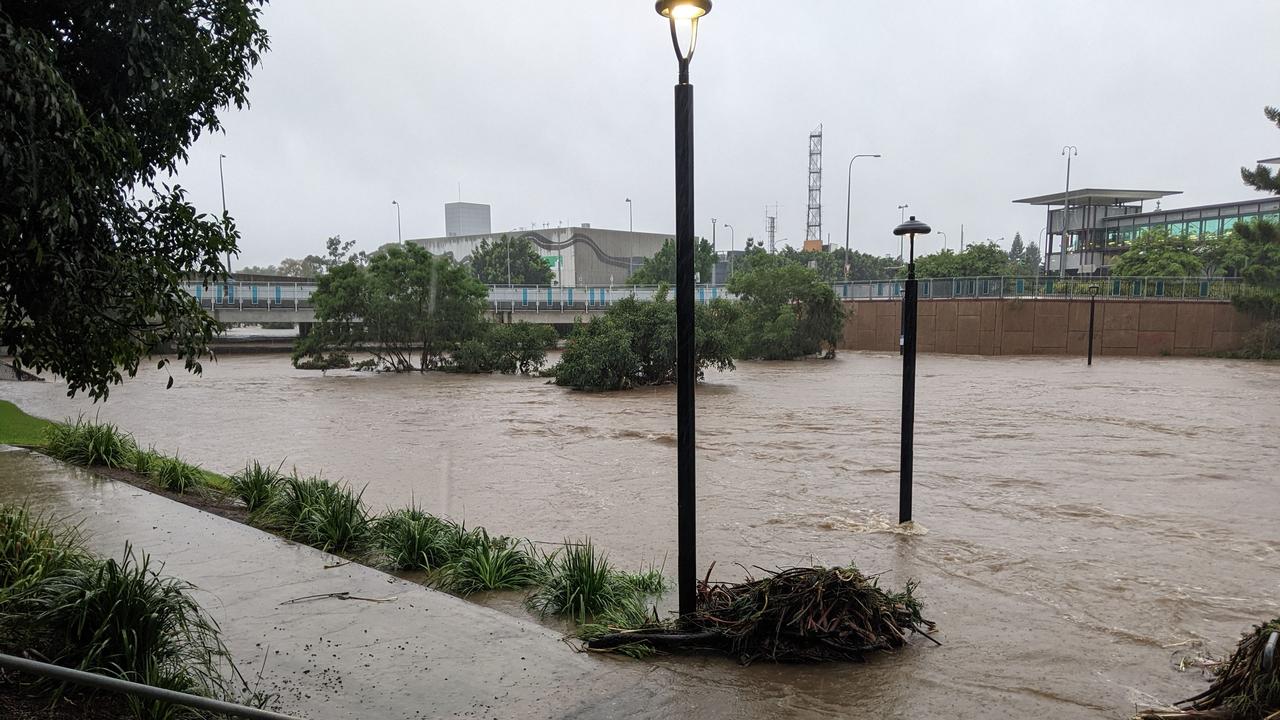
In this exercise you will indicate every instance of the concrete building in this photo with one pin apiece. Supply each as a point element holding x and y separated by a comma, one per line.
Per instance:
<point>463,218</point>
<point>579,256</point>
<point>1098,225</point>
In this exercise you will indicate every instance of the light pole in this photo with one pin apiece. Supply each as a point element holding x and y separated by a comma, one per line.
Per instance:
<point>631,230</point>
<point>682,16</point>
<point>223,185</point>
<point>848,203</point>
<point>714,246</point>
<point>1093,300</point>
<point>911,229</point>
<point>944,239</point>
<point>1068,152</point>
<point>399,235</point>
<point>732,241</point>
<point>902,217</point>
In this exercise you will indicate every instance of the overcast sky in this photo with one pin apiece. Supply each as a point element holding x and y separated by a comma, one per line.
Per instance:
<point>556,111</point>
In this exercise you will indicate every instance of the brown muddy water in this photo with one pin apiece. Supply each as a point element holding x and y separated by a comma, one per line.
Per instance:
<point>1082,529</point>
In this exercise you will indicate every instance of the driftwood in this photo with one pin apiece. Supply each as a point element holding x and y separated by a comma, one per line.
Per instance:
<point>792,615</point>
<point>1246,685</point>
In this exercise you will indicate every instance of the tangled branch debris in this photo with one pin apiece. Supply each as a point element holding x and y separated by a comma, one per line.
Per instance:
<point>1246,686</point>
<point>793,615</point>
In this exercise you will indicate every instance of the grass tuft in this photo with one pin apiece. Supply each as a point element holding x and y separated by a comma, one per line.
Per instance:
<point>493,565</point>
<point>90,443</point>
<point>320,513</point>
<point>32,549</point>
<point>577,582</point>
<point>171,473</point>
<point>256,485</point>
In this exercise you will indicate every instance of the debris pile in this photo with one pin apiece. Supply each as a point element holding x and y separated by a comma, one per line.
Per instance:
<point>794,615</point>
<point>1246,686</point>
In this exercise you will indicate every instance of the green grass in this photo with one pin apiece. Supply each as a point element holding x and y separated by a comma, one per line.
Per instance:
<point>578,582</point>
<point>256,485</point>
<point>172,474</point>
<point>90,443</point>
<point>33,548</point>
<point>19,428</point>
<point>321,514</point>
<point>494,565</point>
<point>649,581</point>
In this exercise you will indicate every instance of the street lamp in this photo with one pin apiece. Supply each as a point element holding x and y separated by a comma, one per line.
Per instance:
<point>944,239</point>
<point>1093,300</point>
<point>631,230</point>
<point>732,240</point>
<point>683,16</point>
<point>911,229</point>
<point>848,202</point>
<point>223,185</point>
<point>902,215</point>
<point>399,235</point>
<point>1068,152</point>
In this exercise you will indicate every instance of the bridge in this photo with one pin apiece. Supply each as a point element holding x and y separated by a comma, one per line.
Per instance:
<point>259,301</point>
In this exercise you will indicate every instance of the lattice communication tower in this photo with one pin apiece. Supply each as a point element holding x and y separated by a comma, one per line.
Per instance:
<point>813,230</point>
<point>771,225</point>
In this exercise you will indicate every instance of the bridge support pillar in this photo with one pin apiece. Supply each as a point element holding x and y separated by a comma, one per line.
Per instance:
<point>304,329</point>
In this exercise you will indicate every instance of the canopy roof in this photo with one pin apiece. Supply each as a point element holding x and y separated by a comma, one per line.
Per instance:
<point>1094,196</point>
<point>1270,161</point>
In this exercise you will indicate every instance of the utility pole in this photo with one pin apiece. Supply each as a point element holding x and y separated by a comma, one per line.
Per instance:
<point>399,235</point>
<point>222,184</point>
<point>1066,212</point>
<point>848,203</point>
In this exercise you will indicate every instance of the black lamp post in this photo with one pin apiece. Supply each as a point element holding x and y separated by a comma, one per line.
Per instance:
<point>683,17</point>
<point>910,228</point>
<point>1093,300</point>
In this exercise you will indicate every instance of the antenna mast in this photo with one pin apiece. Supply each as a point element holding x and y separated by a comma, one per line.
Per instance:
<point>813,229</point>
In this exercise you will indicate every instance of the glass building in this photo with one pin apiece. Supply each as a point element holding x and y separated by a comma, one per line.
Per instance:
<point>1098,224</point>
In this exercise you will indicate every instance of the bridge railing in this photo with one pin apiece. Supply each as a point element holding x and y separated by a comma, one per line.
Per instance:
<point>291,297</point>
<point>1159,288</point>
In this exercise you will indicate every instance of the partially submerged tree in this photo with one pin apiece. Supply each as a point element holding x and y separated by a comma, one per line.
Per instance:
<point>409,308</point>
<point>786,311</point>
<point>98,100</point>
<point>509,261</point>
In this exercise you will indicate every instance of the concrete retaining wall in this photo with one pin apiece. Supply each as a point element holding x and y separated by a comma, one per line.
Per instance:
<point>1051,326</point>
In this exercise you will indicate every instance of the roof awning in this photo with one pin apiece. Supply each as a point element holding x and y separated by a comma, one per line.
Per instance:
<point>1270,161</point>
<point>1095,196</point>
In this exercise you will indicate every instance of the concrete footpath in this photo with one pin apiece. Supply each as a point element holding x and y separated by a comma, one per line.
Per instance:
<point>418,654</point>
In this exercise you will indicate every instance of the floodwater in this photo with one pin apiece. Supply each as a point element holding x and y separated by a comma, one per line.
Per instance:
<point>1081,530</point>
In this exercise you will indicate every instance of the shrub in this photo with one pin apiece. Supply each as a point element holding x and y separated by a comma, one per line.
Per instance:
<point>492,565</point>
<point>577,582</point>
<point>90,443</point>
<point>598,357</point>
<point>171,473</point>
<point>650,581</point>
<point>122,619</point>
<point>321,514</point>
<point>414,540</point>
<point>32,549</point>
<point>472,356</point>
<point>143,462</point>
<point>520,348</point>
<point>1262,341</point>
<point>256,485</point>
<point>322,361</point>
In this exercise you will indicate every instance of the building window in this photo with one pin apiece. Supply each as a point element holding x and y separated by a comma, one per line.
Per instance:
<point>1212,227</point>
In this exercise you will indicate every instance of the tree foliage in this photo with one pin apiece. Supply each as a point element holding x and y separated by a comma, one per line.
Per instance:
<point>661,268</point>
<point>634,343</point>
<point>94,247</point>
<point>977,260</point>
<point>786,310</point>
<point>830,265</point>
<point>337,252</point>
<point>509,260</point>
<point>411,309</point>
<point>509,348</point>
<point>1262,178</point>
<point>1156,253</point>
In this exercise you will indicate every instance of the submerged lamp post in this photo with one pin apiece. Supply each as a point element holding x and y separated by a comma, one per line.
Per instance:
<point>1093,300</point>
<point>683,16</point>
<point>910,228</point>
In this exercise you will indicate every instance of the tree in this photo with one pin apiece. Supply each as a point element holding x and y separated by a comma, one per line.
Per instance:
<point>830,265</point>
<point>786,310</point>
<point>634,343</point>
<point>94,248</point>
<point>978,260</point>
<point>1262,178</point>
<point>509,261</point>
<point>1156,253</point>
<point>661,268</point>
<point>411,309</point>
<point>1024,259</point>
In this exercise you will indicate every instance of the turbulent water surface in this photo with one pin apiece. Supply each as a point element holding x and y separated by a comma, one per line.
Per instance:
<point>1081,529</point>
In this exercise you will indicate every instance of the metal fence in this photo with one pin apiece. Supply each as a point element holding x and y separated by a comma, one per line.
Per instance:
<point>1169,288</point>
<point>248,295</point>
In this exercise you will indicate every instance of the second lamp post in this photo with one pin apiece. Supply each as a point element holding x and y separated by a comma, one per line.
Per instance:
<point>683,15</point>
<point>910,228</point>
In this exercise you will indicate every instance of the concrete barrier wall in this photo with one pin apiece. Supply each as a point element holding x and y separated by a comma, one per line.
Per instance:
<point>1051,326</point>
